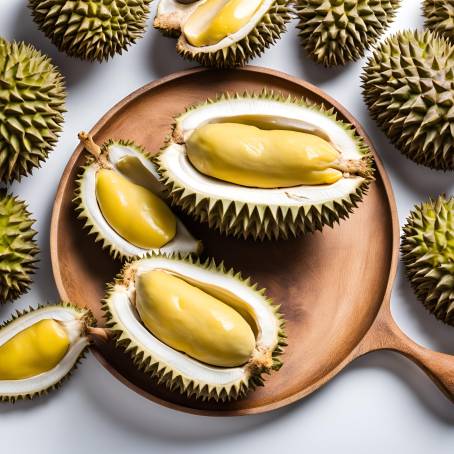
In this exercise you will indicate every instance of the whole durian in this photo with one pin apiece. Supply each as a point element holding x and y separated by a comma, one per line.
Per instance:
<point>91,29</point>
<point>428,253</point>
<point>440,17</point>
<point>408,85</point>
<point>334,32</point>
<point>32,98</point>
<point>17,248</point>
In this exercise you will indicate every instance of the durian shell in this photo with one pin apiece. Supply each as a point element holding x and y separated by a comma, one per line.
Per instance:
<point>94,29</point>
<point>261,222</point>
<point>84,215</point>
<point>18,249</point>
<point>335,32</point>
<point>428,253</point>
<point>89,321</point>
<point>266,32</point>
<point>439,16</point>
<point>32,103</point>
<point>408,85</point>
<point>166,376</point>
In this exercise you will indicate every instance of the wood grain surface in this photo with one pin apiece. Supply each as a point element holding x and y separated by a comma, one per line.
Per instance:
<point>334,287</point>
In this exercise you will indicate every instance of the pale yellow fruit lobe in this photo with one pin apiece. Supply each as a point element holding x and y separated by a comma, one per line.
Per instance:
<point>249,156</point>
<point>190,320</point>
<point>134,212</point>
<point>33,351</point>
<point>214,20</point>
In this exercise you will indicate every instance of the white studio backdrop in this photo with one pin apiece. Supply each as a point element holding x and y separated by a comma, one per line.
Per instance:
<point>381,403</point>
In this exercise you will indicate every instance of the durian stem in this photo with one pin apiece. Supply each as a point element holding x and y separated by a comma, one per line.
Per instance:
<point>90,145</point>
<point>102,334</point>
<point>354,167</point>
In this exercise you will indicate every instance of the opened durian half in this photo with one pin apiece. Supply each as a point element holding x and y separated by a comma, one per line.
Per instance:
<point>119,197</point>
<point>264,165</point>
<point>40,348</point>
<point>223,33</point>
<point>196,327</point>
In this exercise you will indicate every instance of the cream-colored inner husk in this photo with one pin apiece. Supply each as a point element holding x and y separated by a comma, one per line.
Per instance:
<point>288,116</point>
<point>43,381</point>
<point>183,242</point>
<point>267,325</point>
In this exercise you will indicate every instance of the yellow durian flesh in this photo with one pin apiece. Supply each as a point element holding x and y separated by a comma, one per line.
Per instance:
<point>33,351</point>
<point>190,320</point>
<point>134,212</point>
<point>214,20</point>
<point>263,158</point>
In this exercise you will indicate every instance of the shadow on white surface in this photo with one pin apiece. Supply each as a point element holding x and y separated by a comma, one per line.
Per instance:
<point>74,69</point>
<point>424,391</point>
<point>164,59</point>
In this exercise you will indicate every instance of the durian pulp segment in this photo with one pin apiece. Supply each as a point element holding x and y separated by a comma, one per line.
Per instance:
<point>33,351</point>
<point>249,156</point>
<point>134,212</point>
<point>214,20</point>
<point>192,321</point>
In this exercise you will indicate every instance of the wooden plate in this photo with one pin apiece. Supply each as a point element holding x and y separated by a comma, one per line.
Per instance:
<point>334,287</point>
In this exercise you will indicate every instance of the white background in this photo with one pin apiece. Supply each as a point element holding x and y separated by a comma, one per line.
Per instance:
<point>382,403</point>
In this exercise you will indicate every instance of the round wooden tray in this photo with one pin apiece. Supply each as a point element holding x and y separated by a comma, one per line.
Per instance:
<point>334,287</point>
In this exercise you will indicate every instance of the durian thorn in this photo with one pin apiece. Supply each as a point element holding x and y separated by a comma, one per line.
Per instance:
<point>93,148</point>
<point>354,167</point>
<point>102,334</point>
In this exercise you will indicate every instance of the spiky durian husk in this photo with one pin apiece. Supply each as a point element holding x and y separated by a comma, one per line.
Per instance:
<point>428,253</point>
<point>440,17</point>
<point>91,29</point>
<point>80,208</point>
<point>267,31</point>
<point>408,85</point>
<point>18,248</point>
<point>32,98</point>
<point>88,319</point>
<point>334,32</point>
<point>265,221</point>
<point>165,375</point>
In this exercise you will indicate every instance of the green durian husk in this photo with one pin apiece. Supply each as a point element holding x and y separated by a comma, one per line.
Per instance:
<point>334,32</point>
<point>91,29</point>
<point>32,103</point>
<point>18,248</point>
<point>408,85</point>
<point>439,16</point>
<point>428,253</point>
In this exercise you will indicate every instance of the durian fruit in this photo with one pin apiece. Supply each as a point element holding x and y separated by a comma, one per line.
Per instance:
<point>91,29</point>
<point>440,17</point>
<point>198,328</point>
<point>32,103</point>
<point>334,32</point>
<point>264,165</point>
<point>18,248</point>
<point>223,33</point>
<point>408,85</point>
<point>40,348</point>
<point>428,253</point>
<point>119,197</point>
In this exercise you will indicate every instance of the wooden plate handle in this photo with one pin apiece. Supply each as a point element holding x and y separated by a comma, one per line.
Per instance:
<point>386,335</point>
